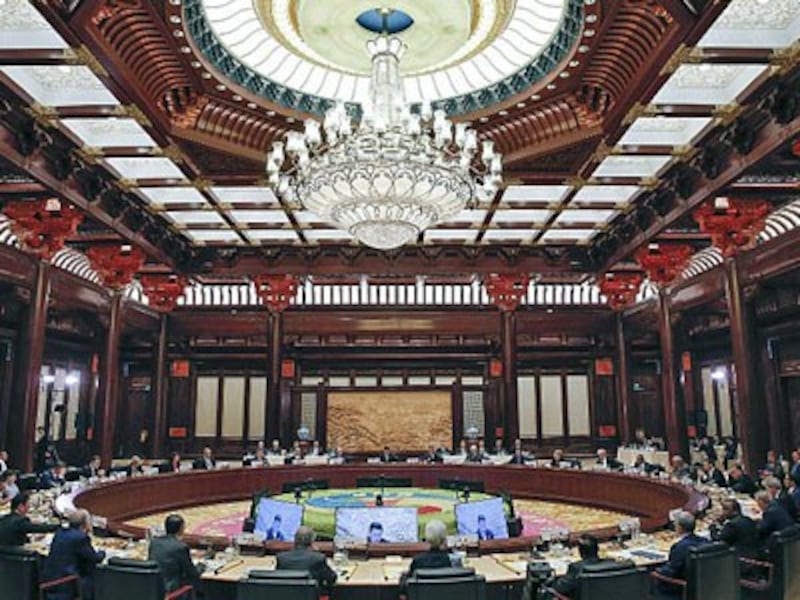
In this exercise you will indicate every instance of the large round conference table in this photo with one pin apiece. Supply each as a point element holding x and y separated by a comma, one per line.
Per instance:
<point>651,500</point>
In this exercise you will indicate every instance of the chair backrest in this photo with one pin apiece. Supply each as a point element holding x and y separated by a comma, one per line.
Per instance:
<point>446,584</point>
<point>128,580</point>
<point>19,574</point>
<point>281,583</point>
<point>786,558</point>
<point>712,571</point>
<point>620,581</point>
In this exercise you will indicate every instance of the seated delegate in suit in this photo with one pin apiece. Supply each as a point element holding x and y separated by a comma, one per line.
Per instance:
<point>606,462</point>
<point>775,490</point>
<point>303,558</point>
<point>173,465</point>
<point>15,526</point>
<point>8,487</point>
<point>431,456</point>
<point>206,462</point>
<point>499,450</point>
<point>275,449</point>
<point>711,475</point>
<point>589,550</point>
<point>773,467</point>
<point>773,516</point>
<point>736,530</point>
<point>675,566</point>
<point>678,468</point>
<point>740,482</point>
<point>436,557</point>
<point>136,467</point>
<point>71,553</point>
<point>474,455</point>
<point>387,456</point>
<point>53,477</point>
<point>92,468</point>
<point>173,557</point>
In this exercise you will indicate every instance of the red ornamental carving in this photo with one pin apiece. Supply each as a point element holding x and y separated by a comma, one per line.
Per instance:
<point>734,223</point>
<point>42,226</point>
<point>276,291</point>
<point>796,147</point>
<point>116,264</point>
<point>663,262</point>
<point>163,290</point>
<point>507,291</point>
<point>620,289</point>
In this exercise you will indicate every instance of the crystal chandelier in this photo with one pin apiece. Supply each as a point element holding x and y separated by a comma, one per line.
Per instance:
<point>392,175</point>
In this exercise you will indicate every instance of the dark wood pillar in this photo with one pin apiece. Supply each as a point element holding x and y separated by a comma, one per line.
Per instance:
<point>623,383</point>
<point>674,409</point>
<point>22,421</point>
<point>511,410</point>
<point>273,412</point>
<point>752,420</point>
<point>160,390</point>
<point>110,381</point>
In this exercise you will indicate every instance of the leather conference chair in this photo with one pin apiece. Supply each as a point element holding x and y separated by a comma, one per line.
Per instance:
<point>620,581</point>
<point>122,579</point>
<point>284,584</point>
<point>446,584</point>
<point>19,574</point>
<point>782,581</point>
<point>712,571</point>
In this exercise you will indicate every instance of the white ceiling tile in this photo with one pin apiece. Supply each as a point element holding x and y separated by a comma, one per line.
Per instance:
<point>519,235</point>
<point>195,217</point>
<point>23,27</point>
<point>244,194</point>
<point>109,132</point>
<point>664,131</point>
<point>166,195</point>
<point>586,215</point>
<point>568,235</point>
<point>631,166</point>
<point>535,193</point>
<point>145,167</point>
<point>317,235</point>
<point>213,235</point>
<point>258,216</point>
<point>707,83</point>
<point>595,194</point>
<point>452,235</point>
<point>523,215</point>
<point>755,24</point>
<point>61,85</point>
<point>271,235</point>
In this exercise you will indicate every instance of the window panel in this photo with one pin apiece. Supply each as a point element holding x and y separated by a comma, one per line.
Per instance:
<point>526,401</point>
<point>578,400</point>
<point>258,405</point>
<point>552,406</point>
<point>473,411</point>
<point>708,400</point>
<point>206,407</point>
<point>308,412</point>
<point>233,407</point>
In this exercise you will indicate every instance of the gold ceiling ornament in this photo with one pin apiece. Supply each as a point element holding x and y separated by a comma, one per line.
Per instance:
<point>134,112</point>
<point>648,183</point>
<point>126,184</point>
<point>683,55</point>
<point>46,116</point>
<point>172,152</point>
<point>576,182</point>
<point>265,10</point>
<point>639,110</point>
<point>603,151</point>
<point>725,114</point>
<point>89,154</point>
<point>684,153</point>
<point>81,55</point>
<point>202,184</point>
<point>783,60</point>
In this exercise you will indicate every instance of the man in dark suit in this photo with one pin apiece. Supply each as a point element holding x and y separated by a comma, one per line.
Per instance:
<point>173,557</point>
<point>437,556</point>
<point>588,549</point>
<point>432,456</point>
<point>606,462</point>
<point>736,530</point>
<point>774,488</point>
<point>740,482</point>
<point>675,566</point>
<point>92,468</point>
<point>711,475</point>
<point>15,526</point>
<point>387,456</point>
<point>773,466</point>
<point>303,558</point>
<point>54,477</point>
<point>207,462</point>
<point>773,516</point>
<point>71,553</point>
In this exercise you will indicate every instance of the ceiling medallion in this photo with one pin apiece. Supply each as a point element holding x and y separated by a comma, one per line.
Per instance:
<point>392,175</point>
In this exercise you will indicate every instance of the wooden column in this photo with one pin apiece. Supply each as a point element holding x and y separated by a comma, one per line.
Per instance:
<point>23,410</point>
<point>273,411</point>
<point>752,420</point>
<point>110,381</point>
<point>160,389</point>
<point>674,410</point>
<point>511,409</point>
<point>623,383</point>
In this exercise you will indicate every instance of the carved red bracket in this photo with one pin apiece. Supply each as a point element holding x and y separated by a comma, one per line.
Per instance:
<point>163,290</point>
<point>276,291</point>
<point>734,223</point>
<point>507,291</point>
<point>116,264</point>
<point>42,226</point>
<point>663,262</point>
<point>620,289</point>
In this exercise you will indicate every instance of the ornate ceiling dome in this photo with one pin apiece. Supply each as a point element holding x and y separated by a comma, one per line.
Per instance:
<point>465,54</point>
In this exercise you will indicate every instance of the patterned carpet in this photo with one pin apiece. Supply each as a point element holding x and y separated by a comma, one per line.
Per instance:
<point>226,519</point>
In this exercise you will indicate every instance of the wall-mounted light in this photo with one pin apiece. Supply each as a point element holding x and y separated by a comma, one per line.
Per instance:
<point>73,379</point>
<point>719,374</point>
<point>48,378</point>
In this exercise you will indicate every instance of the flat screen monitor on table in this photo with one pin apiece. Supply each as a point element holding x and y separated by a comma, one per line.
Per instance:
<point>485,519</point>
<point>394,525</point>
<point>278,521</point>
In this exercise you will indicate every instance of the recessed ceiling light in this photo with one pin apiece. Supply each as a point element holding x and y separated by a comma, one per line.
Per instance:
<point>564,74</point>
<point>591,18</point>
<point>583,49</point>
<point>237,97</point>
<point>503,113</point>
<point>221,87</point>
<point>589,33</point>
<point>178,33</point>
<point>196,64</point>
<point>252,105</point>
<point>175,19</point>
<point>536,97</point>
<point>551,86</point>
<point>186,49</point>
<point>206,75</point>
<point>574,63</point>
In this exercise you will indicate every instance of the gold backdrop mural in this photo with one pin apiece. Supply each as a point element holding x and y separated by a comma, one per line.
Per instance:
<point>405,421</point>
